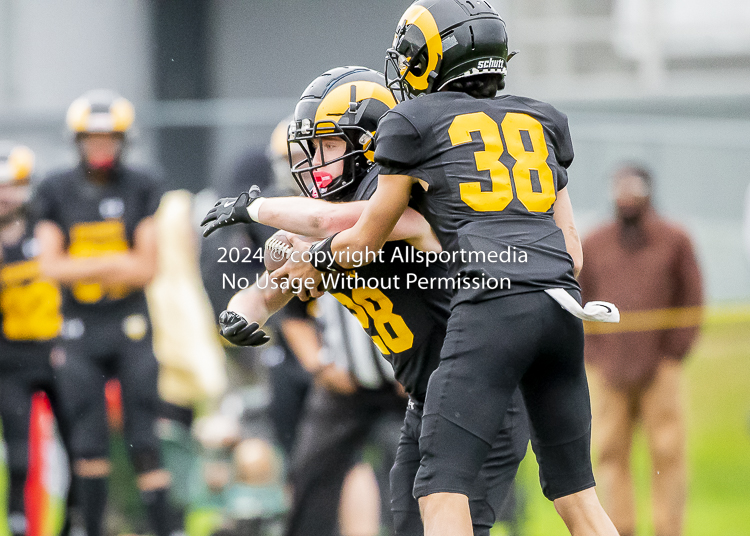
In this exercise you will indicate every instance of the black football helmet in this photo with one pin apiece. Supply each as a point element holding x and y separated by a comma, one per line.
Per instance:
<point>438,41</point>
<point>345,102</point>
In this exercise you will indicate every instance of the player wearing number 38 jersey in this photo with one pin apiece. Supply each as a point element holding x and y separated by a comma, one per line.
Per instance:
<point>492,171</point>
<point>333,123</point>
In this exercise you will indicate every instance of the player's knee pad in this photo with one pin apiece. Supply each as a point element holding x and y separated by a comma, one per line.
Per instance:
<point>407,523</point>
<point>145,460</point>
<point>440,469</point>
<point>565,468</point>
<point>482,517</point>
<point>256,462</point>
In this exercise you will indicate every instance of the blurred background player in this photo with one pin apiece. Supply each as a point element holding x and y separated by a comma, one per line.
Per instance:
<point>97,239</point>
<point>647,266</point>
<point>288,381</point>
<point>355,402</point>
<point>30,318</point>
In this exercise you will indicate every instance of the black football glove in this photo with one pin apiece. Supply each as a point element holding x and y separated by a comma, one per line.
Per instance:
<point>230,210</point>
<point>236,329</point>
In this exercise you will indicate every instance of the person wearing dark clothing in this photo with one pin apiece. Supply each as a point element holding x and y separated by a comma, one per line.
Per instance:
<point>30,321</point>
<point>97,239</point>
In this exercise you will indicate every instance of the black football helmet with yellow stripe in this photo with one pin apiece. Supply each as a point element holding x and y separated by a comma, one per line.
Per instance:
<point>345,102</point>
<point>440,41</point>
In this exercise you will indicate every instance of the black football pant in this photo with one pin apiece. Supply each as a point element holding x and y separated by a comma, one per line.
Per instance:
<point>101,348</point>
<point>489,490</point>
<point>290,385</point>
<point>17,386</point>
<point>103,352</point>
<point>491,348</point>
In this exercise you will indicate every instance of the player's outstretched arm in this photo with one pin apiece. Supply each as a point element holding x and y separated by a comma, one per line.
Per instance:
<point>368,235</point>
<point>259,301</point>
<point>564,220</point>
<point>377,221</point>
<point>318,219</point>
<point>250,309</point>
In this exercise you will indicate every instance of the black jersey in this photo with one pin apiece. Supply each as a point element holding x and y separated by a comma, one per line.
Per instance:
<point>492,169</point>
<point>29,305</point>
<point>97,219</point>
<point>406,322</point>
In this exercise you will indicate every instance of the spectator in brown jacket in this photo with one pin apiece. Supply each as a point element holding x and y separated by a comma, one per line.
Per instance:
<point>646,266</point>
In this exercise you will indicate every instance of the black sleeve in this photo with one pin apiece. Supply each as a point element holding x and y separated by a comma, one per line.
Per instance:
<point>297,310</point>
<point>556,122</point>
<point>563,147</point>
<point>152,193</point>
<point>368,185</point>
<point>398,145</point>
<point>43,204</point>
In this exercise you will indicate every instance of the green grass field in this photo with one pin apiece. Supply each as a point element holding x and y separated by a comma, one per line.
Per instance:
<point>718,377</point>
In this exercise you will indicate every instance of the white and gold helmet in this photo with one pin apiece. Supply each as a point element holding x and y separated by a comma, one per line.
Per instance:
<point>100,111</point>
<point>16,163</point>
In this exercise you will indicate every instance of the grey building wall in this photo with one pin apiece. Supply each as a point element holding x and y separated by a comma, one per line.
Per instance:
<point>52,52</point>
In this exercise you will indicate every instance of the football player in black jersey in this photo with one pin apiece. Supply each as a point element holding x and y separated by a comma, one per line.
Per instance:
<point>98,241</point>
<point>334,122</point>
<point>30,321</point>
<point>494,173</point>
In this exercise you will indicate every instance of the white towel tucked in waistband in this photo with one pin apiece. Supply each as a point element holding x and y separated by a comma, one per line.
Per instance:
<point>595,311</point>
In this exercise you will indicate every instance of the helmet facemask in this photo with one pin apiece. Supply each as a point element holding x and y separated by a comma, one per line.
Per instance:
<point>311,178</point>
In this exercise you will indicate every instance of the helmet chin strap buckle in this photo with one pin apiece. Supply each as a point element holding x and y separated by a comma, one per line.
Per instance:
<point>365,139</point>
